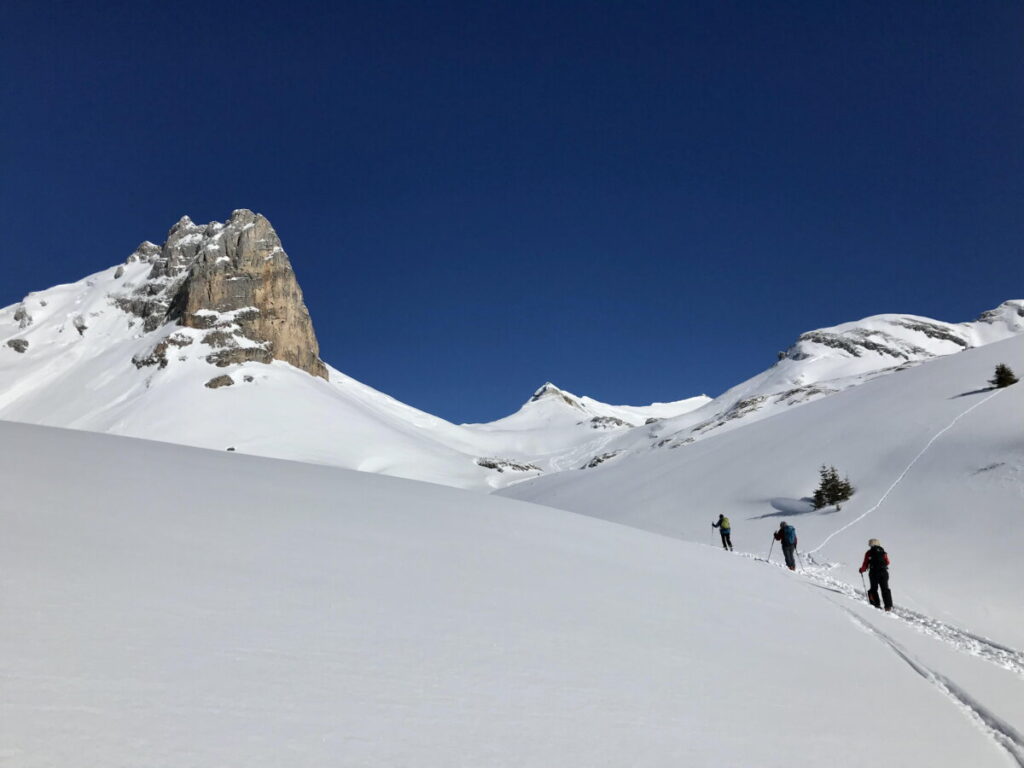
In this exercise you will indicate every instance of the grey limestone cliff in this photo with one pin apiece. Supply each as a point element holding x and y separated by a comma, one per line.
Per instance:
<point>233,279</point>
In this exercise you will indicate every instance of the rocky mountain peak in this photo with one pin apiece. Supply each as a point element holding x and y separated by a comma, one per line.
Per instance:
<point>550,391</point>
<point>233,279</point>
<point>184,223</point>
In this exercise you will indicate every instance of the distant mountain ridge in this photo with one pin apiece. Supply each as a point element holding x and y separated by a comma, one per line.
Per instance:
<point>823,362</point>
<point>205,340</point>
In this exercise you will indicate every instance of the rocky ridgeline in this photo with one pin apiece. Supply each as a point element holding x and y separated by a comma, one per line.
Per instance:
<point>234,281</point>
<point>888,337</point>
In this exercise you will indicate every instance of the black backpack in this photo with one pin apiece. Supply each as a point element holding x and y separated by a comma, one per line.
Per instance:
<point>876,559</point>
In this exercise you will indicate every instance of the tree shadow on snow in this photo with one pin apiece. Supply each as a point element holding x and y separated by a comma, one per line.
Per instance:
<point>786,507</point>
<point>972,392</point>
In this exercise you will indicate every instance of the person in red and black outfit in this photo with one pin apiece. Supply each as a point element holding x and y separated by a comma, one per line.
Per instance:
<point>876,563</point>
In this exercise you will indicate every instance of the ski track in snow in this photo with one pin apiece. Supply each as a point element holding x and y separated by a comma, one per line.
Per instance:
<point>1001,732</point>
<point>906,469</point>
<point>962,640</point>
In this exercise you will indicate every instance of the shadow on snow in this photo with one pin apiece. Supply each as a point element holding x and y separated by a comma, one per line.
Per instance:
<point>786,507</point>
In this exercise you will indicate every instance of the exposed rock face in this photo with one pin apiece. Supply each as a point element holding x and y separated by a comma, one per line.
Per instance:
<point>220,381</point>
<point>234,279</point>
<point>1010,312</point>
<point>857,341</point>
<point>607,422</point>
<point>18,345</point>
<point>502,464</point>
<point>549,390</point>
<point>22,317</point>
<point>600,459</point>
<point>737,410</point>
<point>158,355</point>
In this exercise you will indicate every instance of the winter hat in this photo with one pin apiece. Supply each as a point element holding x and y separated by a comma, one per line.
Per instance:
<point>874,543</point>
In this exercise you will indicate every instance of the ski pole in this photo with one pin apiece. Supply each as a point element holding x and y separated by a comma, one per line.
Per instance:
<point>863,584</point>
<point>770,549</point>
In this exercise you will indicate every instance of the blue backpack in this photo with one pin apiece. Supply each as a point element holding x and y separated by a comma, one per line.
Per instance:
<point>789,535</point>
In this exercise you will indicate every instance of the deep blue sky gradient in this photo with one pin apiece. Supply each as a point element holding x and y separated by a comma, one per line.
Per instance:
<point>639,201</point>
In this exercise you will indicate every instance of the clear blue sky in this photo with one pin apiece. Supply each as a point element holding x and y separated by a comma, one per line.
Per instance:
<point>638,201</point>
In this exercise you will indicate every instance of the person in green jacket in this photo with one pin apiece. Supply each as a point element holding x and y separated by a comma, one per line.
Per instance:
<point>726,530</point>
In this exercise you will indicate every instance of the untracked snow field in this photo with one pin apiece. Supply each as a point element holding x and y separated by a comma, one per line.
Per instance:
<point>171,606</point>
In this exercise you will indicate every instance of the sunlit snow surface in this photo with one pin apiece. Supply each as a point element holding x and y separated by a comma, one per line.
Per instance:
<point>937,459</point>
<point>169,606</point>
<point>77,372</point>
<point>164,605</point>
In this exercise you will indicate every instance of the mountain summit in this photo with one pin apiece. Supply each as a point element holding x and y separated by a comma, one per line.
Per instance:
<point>549,390</point>
<point>234,281</point>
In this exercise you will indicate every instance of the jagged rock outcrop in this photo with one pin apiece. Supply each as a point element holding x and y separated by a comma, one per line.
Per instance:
<point>1009,312</point>
<point>856,341</point>
<point>608,422</point>
<point>502,464</point>
<point>600,459</point>
<point>22,317</point>
<point>18,345</point>
<point>233,279</point>
<point>158,355</point>
<point>220,381</point>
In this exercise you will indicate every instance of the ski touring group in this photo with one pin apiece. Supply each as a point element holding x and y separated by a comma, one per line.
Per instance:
<point>875,564</point>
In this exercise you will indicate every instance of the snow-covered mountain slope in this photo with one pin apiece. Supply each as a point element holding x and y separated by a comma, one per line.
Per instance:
<point>822,363</point>
<point>937,459</point>
<point>205,341</point>
<point>165,605</point>
<point>828,360</point>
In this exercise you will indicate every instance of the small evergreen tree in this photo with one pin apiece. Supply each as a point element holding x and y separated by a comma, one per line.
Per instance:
<point>831,489</point>
<point>1004,377</point>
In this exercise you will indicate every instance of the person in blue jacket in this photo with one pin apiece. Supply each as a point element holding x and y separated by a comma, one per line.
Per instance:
<point>786,535</point>
<point>726,530</point>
